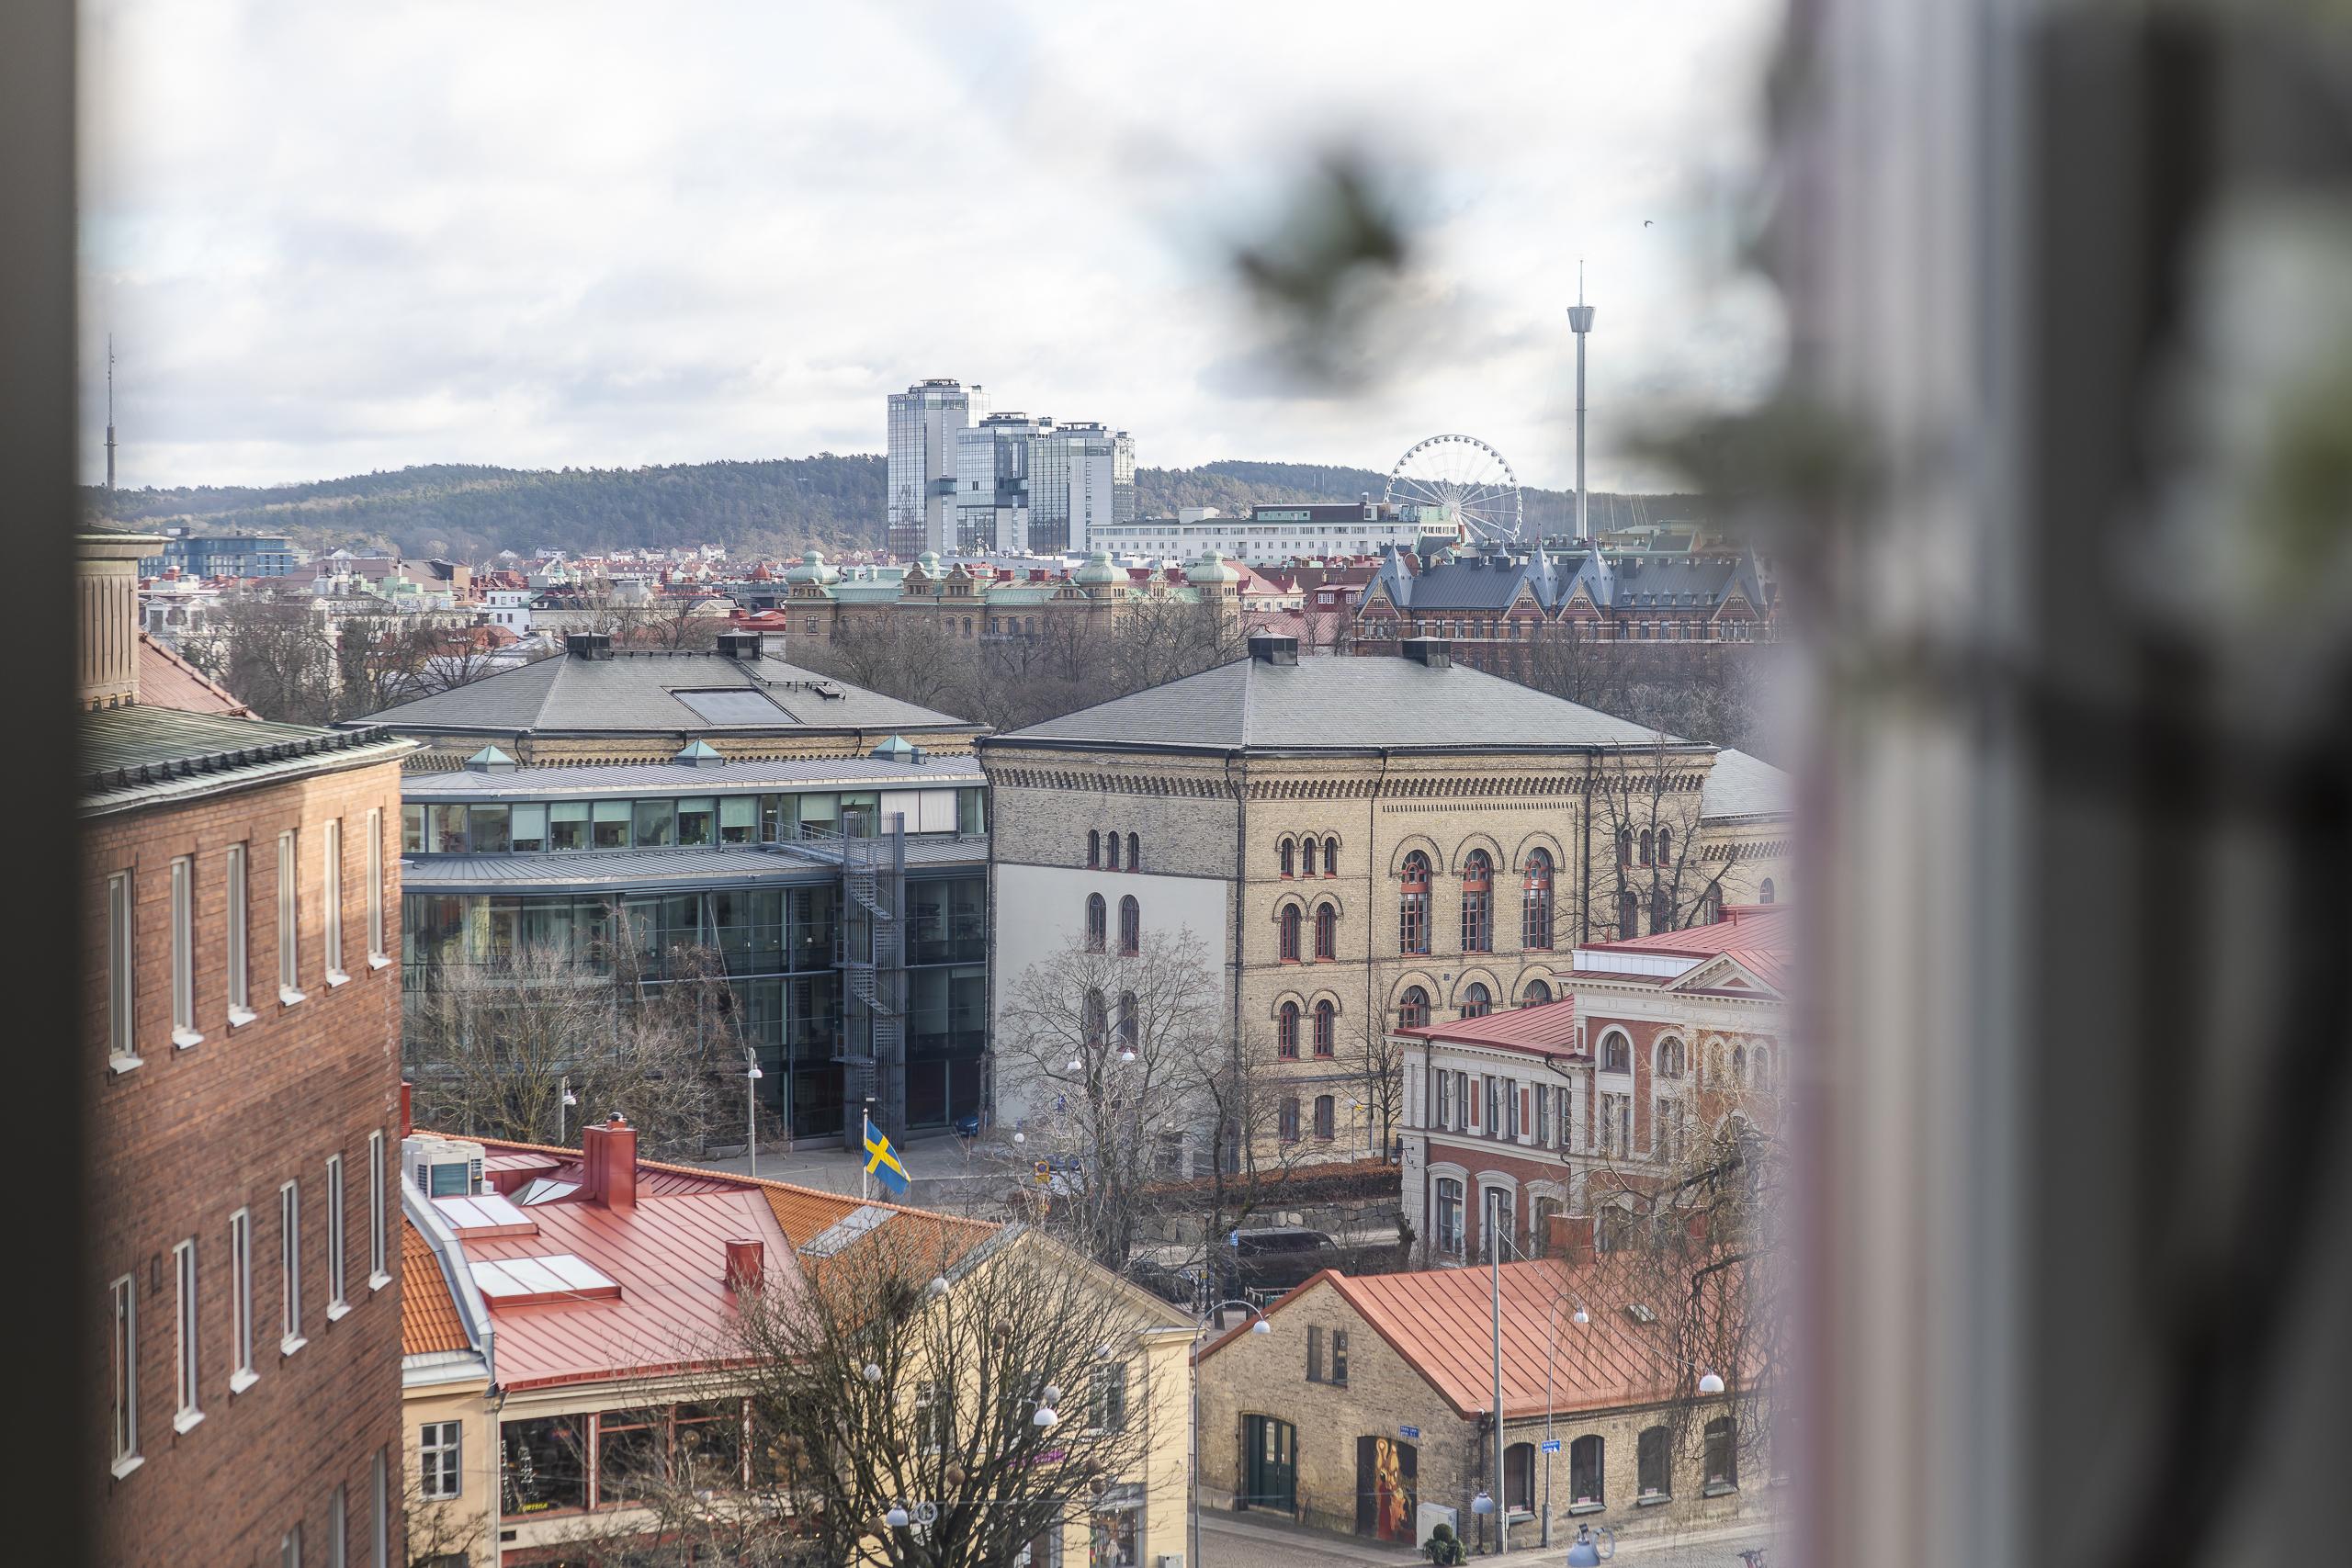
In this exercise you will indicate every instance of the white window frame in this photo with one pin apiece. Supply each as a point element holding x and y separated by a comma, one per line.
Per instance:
<point>122,990</point>
<point>237,876</point>
<point>331,897</point>
<point>242,1375</point>
<point>183,1029</point>
<point>289,1264</point>
<point>289,920</point>
<point>437,1461</point>
<point>378,955</point>
<point>184,1281</point>
<point>290,1549</point>
<point>338,1526</point>
<point>338,1297</point>
<point>378,1242</point>
<point>379,1528</point>
<point>126,1376</point>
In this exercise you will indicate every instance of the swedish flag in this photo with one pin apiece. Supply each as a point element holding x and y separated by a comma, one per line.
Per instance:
<point>882,1161</point>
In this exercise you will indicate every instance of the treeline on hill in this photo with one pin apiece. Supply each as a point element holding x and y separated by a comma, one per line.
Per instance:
<point>466,512</point>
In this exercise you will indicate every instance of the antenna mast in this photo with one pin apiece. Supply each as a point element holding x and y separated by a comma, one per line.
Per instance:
<point>1580,323</point>
<point>109,413</point>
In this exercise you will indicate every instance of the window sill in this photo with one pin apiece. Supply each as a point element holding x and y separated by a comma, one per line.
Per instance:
<point>337,977</point>
<point>338,1310</point>
<point>378,1281</point>
<point>379,960</point>
<point>1653,1500</point>
<point>1576,1509</point>
<point>118,1065</point>
<point>188,1421</point>
<point>123,1467</point>
<point>287,1347</point>
<point>287,995</point>
<point>184,1038</point>
<point>239,1017</point>
<point>241,1381</point>
<point>1719,1489</point>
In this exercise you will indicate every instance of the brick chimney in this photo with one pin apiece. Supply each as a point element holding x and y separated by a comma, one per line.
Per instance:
<point>1571,1239</point>
<point>608,1157</point>
<point>746,1266</point>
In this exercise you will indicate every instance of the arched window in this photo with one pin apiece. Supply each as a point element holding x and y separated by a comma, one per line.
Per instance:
<point>1129,1023</point>
<point>1584,1471</point>
<point>1665,846</point>
<point>1327,931</point>
<point>1624,846</point>
<point>1518,1478</point>
<point>1094,847</point>
<point>1413,906</point>
<point>1306,857</point>
<point>1712,1075</point>
<point>1327,1117</point>
<point>1476,1000</point>
<point>1413,1007</point>
<point>1449,1216</point>
<point>1546,1210</point>
<point>1096,1020</point>
<point>1114,851</point>
<point>1616,1053</point>
<point>1739,1065</point>
<point>1649,847</point>
<point>1330,857</point>
<point>1629,915</point>
<point>1287,1032</point>
<point>1765,895</point>
<point>1135,853</point>
<point>1669,1058</point>
<point>1654,1463</point>
<point>1289,927</point>
<point>1711,905</point>
<point>1619,1227</point>
<point>1479,903</point>
<point>1764,1067</point>
<point>1130,927</point>
<point>1326,1030</point>
<point>1098,923</point>
<point>1536,994</point>
<point>1285,854</point>
<point>1662,909</point>
<point>1535,914</point>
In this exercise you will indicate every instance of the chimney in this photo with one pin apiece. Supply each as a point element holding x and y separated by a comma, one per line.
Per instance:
<point>1571,1239</point>
<point>596,646</point>
<point>744,645</point>
<point>408,1120</point>
<point>1269,648</point>
<point>745,1266</point>
<point>608,1162</point>
<point>1433,651</point>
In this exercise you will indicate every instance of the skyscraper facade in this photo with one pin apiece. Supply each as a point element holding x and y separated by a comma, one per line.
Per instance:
<point>1026,485</point>
<point>924,421</point>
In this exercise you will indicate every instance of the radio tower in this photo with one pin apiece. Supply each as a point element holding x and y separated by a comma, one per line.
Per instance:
<point>1580,323</point>
<point>109,413</point>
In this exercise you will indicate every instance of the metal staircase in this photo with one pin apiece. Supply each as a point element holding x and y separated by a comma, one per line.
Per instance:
<point>873,964</point>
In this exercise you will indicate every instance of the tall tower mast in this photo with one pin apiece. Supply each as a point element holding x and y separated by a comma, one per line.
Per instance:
<point>109,412</point>
<point>1580,323</point>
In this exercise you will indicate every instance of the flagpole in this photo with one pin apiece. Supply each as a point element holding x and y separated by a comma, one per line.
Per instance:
<point>866,1164</point>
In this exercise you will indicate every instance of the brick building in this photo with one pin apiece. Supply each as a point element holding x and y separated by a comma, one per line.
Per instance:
<point>242,1040</point>
<point>1368,1406</point>
<point>1508,1118</point>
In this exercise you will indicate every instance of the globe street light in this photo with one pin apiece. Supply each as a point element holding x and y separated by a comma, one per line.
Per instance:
<point>1588,1551</point>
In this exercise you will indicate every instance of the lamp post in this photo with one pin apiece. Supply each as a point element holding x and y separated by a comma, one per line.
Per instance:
<point>752,1075</point>
<point>1200,1332</point>
<point>564,1098</point>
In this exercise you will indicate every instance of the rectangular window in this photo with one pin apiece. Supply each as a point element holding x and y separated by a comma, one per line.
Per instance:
<point>239,921</point>
<point>378,955</point>
<point>529,830</point>
<point>290,916</point>
<point>489,828</point>
<point>126,1376</point>
<point>448,829</point>
<point>971,812</point>
<point>289,1265</point>
<point>184,1281</point>
<point>412,830</point>
<point>1107,1407</point>
<point>184,952</point>
<point>1313,1354</point>
<point>122,1041</point>
<point>337,1301</point>
<point>657,823</point>
<point>377,1276</point>
<point>330,894</point>
<point>380,1509</point>
<point>241,1301</point>
<point>1340,1357</point>
<point>338,1527</point>
<point>611,824</point>
<point>739,819</point>
<point>440,1467</point>
<point>568,825</point>
<point>697,822</point>
<point>290,1549</point>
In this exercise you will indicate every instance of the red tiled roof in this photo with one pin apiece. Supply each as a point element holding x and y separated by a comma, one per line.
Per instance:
<point>1549,1028</point>
<point>429,1319</point>
<point>1757,936</point>
<point>168,680</point>
<point>1441,1321</point>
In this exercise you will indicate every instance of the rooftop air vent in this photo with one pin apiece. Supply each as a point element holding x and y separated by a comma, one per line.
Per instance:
<point>1433,652</point>
<point>489,760</point>
<point>1271,648</point>
<point>739,645</point>
<point>596,647</point>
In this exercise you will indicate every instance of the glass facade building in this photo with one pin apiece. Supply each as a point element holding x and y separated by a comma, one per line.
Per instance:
<point>924,421</point>
<point>1027,487</point>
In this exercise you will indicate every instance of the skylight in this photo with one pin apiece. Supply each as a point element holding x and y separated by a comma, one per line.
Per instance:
<point>736,704</point>
<point>561,1275</point>
<point>836,1238</point>
<point>484,1212</point>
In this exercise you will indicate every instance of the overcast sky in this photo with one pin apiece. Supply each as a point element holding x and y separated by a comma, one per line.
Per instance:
<point>330,239</point>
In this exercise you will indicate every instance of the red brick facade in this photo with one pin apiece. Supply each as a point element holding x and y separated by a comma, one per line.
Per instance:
<point>196,1132</point>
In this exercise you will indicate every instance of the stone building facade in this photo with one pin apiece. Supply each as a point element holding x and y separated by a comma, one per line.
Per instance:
<point>1357,843</point>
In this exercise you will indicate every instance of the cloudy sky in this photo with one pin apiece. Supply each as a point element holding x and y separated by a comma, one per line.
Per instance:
<point>330,239</point>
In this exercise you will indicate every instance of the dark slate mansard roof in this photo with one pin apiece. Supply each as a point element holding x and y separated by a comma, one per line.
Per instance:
<point>1475,581</point>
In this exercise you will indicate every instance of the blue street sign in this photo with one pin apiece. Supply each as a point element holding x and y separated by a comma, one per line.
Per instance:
<point>1413,1432</point>
<point>1233,1238</point>
<point>1550,1445</point>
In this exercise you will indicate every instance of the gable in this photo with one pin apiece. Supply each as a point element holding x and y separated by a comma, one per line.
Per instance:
<point>1723,973</point>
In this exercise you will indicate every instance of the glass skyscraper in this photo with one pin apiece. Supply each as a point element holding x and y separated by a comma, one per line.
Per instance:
<point>924,421</point>
<point>1026,485</point>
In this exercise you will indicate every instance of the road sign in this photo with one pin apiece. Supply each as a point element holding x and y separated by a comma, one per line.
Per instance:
<point>1550,1445</point>
<point>1044,1171</point>
<point>1412,1432</point>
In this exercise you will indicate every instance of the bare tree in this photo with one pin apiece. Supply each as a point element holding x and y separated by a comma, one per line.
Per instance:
<point>1653,875</point>
<point>273,654</point>
<point>434,1531</point>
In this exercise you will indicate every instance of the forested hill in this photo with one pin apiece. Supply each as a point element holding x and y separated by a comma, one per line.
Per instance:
<point>464,511</point>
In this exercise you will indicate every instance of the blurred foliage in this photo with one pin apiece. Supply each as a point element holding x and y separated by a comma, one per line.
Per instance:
<point>1325,278</point>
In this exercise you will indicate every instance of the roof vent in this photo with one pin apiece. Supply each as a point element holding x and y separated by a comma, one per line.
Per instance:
<point>897,749</point>
<point>739,645</point>
<point>701,754</point>
<point>593,646</point>
<point>1433,652</point>
<point>489,760</point>
<point>1270,648</point>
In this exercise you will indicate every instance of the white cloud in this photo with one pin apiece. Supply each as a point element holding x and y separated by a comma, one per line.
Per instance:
<point>332,239</point>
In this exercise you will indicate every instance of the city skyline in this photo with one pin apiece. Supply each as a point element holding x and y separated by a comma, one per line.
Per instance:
<point>586,250</point>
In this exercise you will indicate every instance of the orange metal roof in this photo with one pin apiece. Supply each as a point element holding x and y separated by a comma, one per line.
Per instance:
<point>429,1319</point>
<point>1758,937</point>
<point>1550,1028</point>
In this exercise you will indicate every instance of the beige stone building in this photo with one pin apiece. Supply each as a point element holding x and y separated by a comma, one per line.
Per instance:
<point>1359,845</point>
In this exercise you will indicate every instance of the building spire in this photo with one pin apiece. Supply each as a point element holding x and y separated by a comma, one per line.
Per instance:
<point>109,413</point>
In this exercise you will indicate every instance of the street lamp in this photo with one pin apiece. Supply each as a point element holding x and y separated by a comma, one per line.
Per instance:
<point>1710,1382</point>
<point>1200,1331</point>
<point>752,1077</point>
<point>563,1099</point>
<point>1588,1551</point>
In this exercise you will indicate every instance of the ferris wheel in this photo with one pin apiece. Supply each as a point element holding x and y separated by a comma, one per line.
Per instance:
<point>1464,473</point>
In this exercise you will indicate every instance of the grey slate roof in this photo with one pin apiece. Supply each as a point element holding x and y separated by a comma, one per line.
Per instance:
<point>1473,582</point>
<point>1338,703</point>
<point>138,755</point>
<point>636,692</point>
<point>644,778</point>
<point>1742,785</point>
<point>652,869</point>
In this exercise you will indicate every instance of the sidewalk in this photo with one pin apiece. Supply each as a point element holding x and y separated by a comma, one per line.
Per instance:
<point>1256,1540</point>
